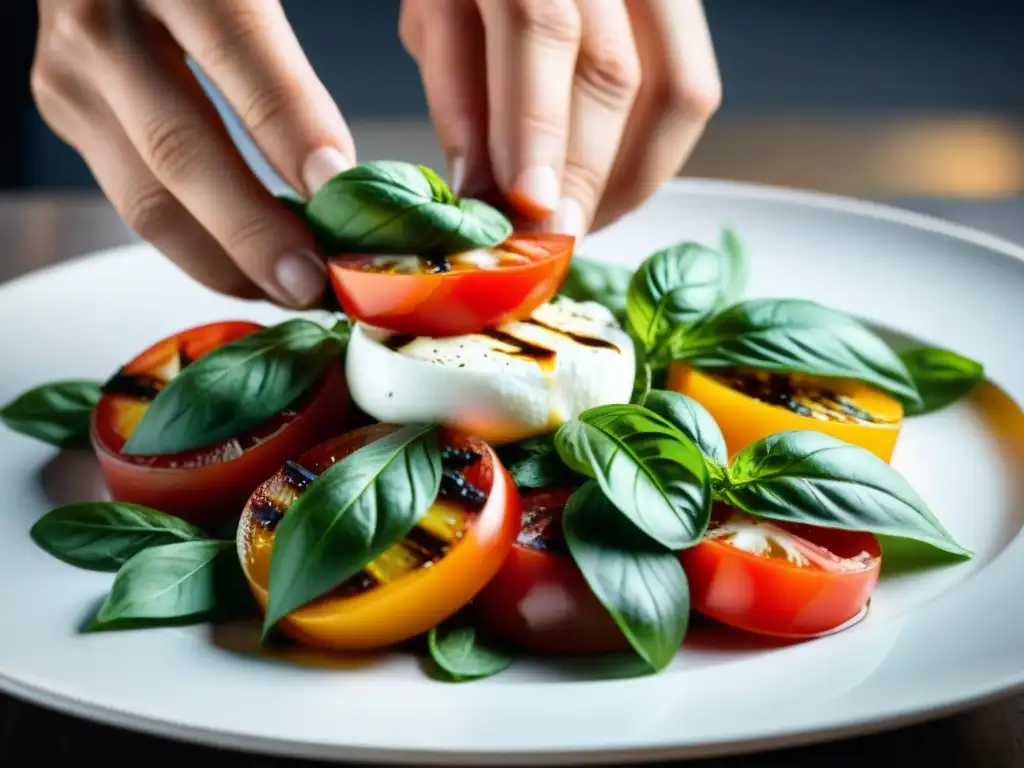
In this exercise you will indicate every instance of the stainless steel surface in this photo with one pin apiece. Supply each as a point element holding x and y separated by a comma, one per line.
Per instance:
<point>40,231</point>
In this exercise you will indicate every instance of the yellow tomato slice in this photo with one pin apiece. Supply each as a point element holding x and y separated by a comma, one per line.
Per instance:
<point>752,404</point>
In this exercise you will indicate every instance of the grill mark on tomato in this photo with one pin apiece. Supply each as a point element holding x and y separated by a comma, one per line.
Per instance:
<point>541,529</point>
<point>779,389</point>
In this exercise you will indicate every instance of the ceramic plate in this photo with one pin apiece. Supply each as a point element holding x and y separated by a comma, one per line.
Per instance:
<point>933,640</point>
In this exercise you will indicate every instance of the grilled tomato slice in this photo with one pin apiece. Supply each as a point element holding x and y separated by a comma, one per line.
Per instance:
<point>419,582</point>
<point>462,293</point>
<point>780,579</point>
<point>208,485</point>
<point>752,404</point>
<point>539,600</point>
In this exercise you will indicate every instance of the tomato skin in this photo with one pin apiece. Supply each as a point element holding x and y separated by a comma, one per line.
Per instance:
<point>210,492</point>
<point>540,601</point>
<point>769,596</point>
<point>418,600</point>
<point>744,419</point>
<point>455,303</point>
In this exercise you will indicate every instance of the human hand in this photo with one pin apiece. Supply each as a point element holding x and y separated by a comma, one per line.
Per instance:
<point>577,110</point>
<point>111,79</point>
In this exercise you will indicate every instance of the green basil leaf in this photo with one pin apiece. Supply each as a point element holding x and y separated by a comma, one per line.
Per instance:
<point>57,413</point>
<point>674,289</point>
<point>459,650</point>
<point>942,377</point>
<point>235,388</point>
<point>399,208</point>
<point>294,203</point>
<point>170,583</point>
<point>598,281</point>
<point>641,584</point>
<point>736,278</point>
<point>535,463</point>
<point>644,377</point>
<point>350,514</point>
<point>649,469</point>
<point>104,535</point>
<point>693,420</point>
<point>797,336</point>
<point>805,476</point>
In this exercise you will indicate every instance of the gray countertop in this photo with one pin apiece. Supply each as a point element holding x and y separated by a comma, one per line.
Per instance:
<point>37,231</point>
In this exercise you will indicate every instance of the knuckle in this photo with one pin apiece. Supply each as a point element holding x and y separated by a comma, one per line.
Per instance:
<point>147,210</point>
<point>545,125</point>
<point>237,27</point>
<point>270,104</point>
<point>555,20</point>
<point>410,27</point>
<point>80,27</point>
<point>584,180</point>
<point>173,146</point>
<point>694,100</point>
<point>612,67</point>
<point>251,235</point>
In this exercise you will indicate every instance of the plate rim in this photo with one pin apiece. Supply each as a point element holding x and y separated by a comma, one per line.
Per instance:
<point>894,719</point>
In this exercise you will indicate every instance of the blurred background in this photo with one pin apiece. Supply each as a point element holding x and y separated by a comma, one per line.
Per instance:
<point>875,98</point>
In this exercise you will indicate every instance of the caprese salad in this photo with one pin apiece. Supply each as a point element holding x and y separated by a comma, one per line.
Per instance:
<point>499,446</point>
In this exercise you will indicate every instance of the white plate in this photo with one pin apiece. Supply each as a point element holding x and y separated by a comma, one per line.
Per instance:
<point>932,642</point>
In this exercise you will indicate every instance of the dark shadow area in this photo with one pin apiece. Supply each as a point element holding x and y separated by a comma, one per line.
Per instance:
<point>72,477</point>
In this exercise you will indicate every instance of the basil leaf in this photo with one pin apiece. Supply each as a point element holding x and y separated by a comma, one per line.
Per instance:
<point>642,585</point>
<point>350,514</point>
<point>674,289</point>
<point>235,388</point>
<point>458,649</point>
<point>735,282</point>
<point>806,476</point>
<point>598,281</point>
<point>535,463</point>
<point>648,469</point>
<point>104,535</point>
<point>399,208</point>
<point>693,420</point>
<point>57,413</point>
<point>172,582</point>
<point>942,377</point>
<point>796,336</point>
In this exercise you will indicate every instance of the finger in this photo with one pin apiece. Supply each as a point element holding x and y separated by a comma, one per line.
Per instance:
<point>531,59</point>
<point>248,50</point>
<point>176,131</point>
<point>680,91</point>
<point>446,39</point>
<point>606,83</point>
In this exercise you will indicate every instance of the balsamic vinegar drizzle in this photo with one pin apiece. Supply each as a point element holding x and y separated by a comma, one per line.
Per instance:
<point>586,341</point>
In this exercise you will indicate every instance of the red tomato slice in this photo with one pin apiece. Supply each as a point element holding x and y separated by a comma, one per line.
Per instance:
<point>408,295</point>
<point>208,485</point>
<point>539,600</point>
<point>438,568</point>
<point>781,579</point>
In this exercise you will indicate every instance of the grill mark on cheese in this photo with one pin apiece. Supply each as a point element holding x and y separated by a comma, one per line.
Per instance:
<point>586,341</point>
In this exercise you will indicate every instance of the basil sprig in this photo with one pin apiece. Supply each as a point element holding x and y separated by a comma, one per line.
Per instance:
<point>399,208</point>
<point>942,377</point>
<point>806,476</point>
<point>57,413</point>
<point>600,282</point>
<point>645,466</point>
<point>235,387</point>
<point>693,420</point>
<point>104,535</point>
<point>184,582</point>
<point>350,514</point>
<point>674,289</point>
<point>462,653</point>
<point>797,336</point>
<point>640,583</point>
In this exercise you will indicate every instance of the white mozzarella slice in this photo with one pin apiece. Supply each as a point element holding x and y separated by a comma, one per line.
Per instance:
<point>523,379</point>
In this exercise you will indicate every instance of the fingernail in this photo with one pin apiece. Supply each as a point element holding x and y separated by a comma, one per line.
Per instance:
<point>540,185</point>
<point>458,175</point>
<point>302,277</point>
<point>321,166</point>
<point>569,218</point>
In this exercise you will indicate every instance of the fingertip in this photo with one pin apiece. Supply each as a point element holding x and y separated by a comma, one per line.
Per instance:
<point>535,192</point>
<point>301,278</point>
<point>569,219</point>
<point>321,165</point>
